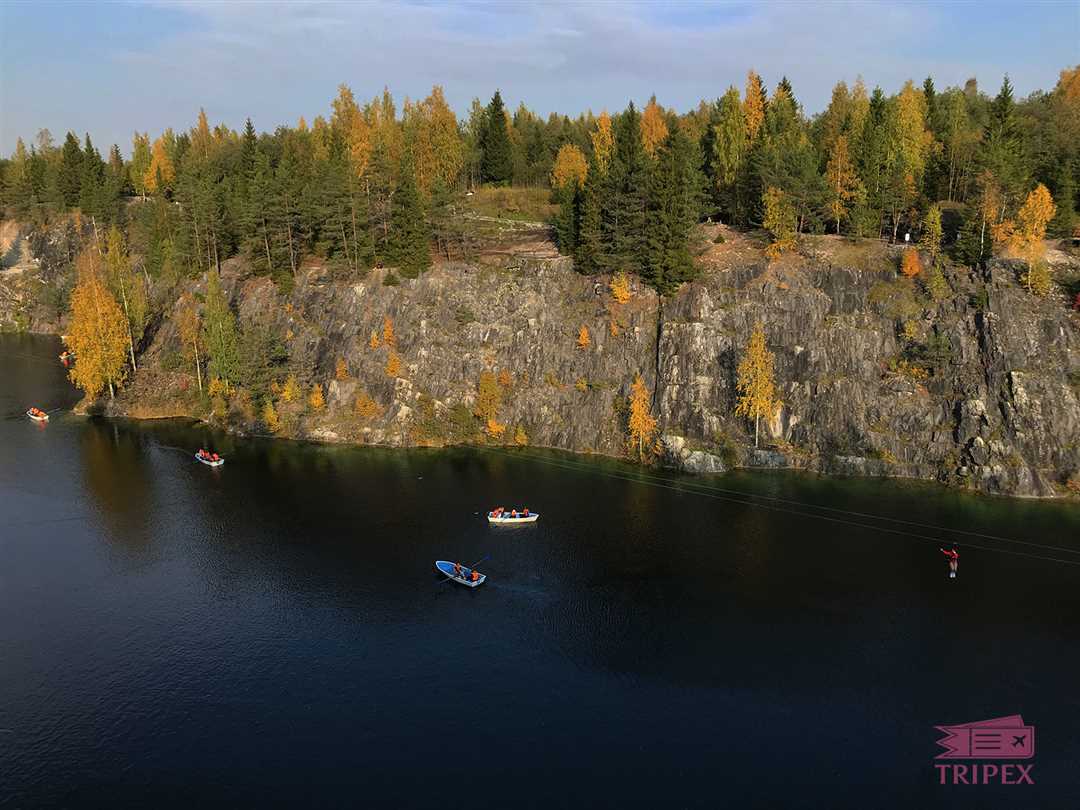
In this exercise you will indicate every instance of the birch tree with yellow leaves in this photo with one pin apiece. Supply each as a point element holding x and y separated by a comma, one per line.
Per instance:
<point>641,423</point>
<point>98,334</point>
<point>755,383</point>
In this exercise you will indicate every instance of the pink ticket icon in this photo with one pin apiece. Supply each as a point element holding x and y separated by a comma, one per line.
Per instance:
<point>1001,738</point>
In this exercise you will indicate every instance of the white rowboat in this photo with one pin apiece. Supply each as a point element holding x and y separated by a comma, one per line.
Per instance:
<point>505,520</point>
<point>36,418</point>
<point>209,462</point>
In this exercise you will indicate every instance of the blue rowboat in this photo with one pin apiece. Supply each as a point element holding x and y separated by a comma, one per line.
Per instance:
<point>447,569</point>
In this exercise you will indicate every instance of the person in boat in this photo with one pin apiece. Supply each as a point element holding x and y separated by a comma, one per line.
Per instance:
<point>525,512</point>
<point>215,457</point>
<point>513,513</point>
<point>953,556</point>
<point>457,569</point>
<point>475,576</point>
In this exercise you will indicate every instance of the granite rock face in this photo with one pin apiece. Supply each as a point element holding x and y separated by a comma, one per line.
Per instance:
<point>979,388</point>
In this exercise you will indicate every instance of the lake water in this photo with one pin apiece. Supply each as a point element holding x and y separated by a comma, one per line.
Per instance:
<point>273,633</point>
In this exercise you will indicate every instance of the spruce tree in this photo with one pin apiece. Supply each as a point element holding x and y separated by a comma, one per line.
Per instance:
<point>588,255</point>
<point>1002,151</point>
<point>69,176</point>
<point>497,161</point>
<point>92,181</point>
<point>623,200</point>
<point>410,236</point>
<point>672,211</point>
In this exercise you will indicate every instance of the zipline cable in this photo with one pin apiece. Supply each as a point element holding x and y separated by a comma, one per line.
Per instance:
<point>803,514</point>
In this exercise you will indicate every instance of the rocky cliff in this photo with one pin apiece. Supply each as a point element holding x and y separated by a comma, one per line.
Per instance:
<point>977,384</point>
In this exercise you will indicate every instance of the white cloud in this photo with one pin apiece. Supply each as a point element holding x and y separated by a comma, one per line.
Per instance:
<point>277,61</point>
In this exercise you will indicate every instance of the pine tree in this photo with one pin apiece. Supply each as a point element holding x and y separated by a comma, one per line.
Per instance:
<point>755,383</point>
<point>623,199</point>
<point>589,250</point>
<point>1002,152</point>
<point>91,184</point>
<point>69,177</point>
<point>410,236</point>
<point>497,162</point>
<point>672,211</point>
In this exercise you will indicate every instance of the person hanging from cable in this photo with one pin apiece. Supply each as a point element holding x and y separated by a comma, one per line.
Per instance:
<point>953,556</point>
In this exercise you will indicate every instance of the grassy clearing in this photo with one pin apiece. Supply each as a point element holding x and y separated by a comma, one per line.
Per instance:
<point>519,204</point>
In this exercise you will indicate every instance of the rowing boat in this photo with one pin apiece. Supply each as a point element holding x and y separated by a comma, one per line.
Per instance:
<point>506,520</point>
<point>209,462</point>
<point>43,417</point>
<point>447,569</point>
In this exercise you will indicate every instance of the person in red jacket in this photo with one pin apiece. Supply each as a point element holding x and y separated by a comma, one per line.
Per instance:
<point>953,556</point>
<point>475,576</point>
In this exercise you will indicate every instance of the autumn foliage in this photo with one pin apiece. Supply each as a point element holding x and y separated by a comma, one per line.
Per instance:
<point>779,222</point>
<point>641,424</point>
<point>620,287</point>
<point>910,265</point>
<point>366,408</point>
<point>583,339</point>
<point>393,364</point>
<point>570,168</point>
<point>98,334</point>
<point>755,384</point>
<point>315,398</point>
<point>653,127</point>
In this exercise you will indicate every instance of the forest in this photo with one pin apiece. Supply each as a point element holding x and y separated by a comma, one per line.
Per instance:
<point>956,172</point>
<point>366,185</point>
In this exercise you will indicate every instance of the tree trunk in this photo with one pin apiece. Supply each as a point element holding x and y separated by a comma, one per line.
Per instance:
<point>198,363</point>
<point>757,419</point>
<point>266,244</point>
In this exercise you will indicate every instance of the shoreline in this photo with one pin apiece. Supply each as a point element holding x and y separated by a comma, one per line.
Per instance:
<point>515,450</point>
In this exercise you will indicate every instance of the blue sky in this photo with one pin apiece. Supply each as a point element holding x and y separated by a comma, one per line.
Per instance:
<point>109,68</point>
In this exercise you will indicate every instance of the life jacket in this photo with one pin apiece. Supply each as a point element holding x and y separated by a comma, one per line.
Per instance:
<point>475,576</point>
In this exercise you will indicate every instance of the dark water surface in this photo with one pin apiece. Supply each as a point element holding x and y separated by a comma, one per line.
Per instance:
<point>273,632</point>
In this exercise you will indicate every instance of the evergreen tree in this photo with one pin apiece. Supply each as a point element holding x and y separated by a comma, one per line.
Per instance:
<point>1002,152</point>
<point>410,237</point>
<point>91,185</point>
<point>589,251</point>
<point>497,161</point>
<point>69,177</point>
<point>623,199</point>
<point>672,211</point>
